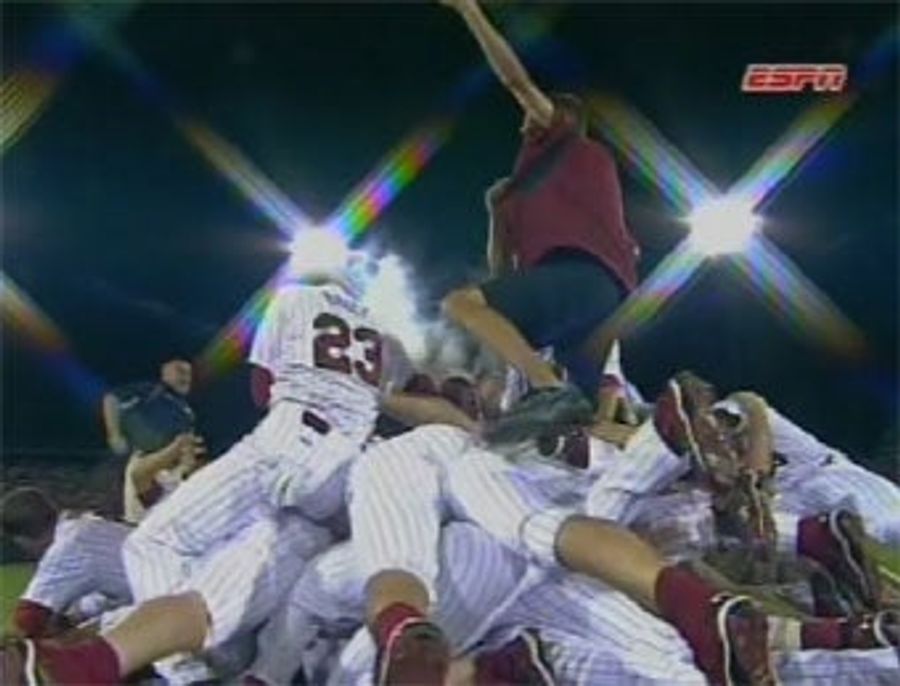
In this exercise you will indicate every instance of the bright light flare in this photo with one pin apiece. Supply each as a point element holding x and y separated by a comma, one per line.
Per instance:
<point>318,252</point>
<point>391,298</point>
<point>721,226</point>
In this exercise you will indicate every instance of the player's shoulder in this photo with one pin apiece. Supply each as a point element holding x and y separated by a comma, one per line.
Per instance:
<point>132,392</point>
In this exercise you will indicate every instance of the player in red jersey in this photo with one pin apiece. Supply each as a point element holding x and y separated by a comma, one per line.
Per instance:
<point>561,256</point>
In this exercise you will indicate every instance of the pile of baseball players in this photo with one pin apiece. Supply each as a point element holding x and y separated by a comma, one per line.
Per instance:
<point>534,523</point>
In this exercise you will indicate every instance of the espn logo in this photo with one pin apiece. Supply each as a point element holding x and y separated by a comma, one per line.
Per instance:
<point>794,78</point>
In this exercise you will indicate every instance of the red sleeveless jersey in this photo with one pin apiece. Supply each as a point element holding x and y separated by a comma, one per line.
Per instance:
<point>565,194</point>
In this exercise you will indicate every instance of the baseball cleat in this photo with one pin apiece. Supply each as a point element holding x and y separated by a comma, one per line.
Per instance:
<point>12,662</point>
<point>841,551</point>
<point>19,663</point>
<point>521,662</point>
<point>740,654</point>
<point>852,568</point>
<point>868,632</point>
<point>684,420</point>
<point>542,411</point>
<point>415,654</point>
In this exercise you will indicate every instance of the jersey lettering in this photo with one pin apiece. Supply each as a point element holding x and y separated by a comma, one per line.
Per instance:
<point>331,348</point>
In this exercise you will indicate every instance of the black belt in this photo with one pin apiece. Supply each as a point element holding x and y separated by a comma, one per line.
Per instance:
<point>316,422</point>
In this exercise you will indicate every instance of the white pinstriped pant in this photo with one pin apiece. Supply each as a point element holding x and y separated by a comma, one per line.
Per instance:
<point>401,491</point>
<point>818,477</point>
<point>594,635</point>
<point>85,558</point>
<point>241,582</point>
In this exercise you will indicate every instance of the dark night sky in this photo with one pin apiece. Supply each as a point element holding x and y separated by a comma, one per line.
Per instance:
<point>134,246</point>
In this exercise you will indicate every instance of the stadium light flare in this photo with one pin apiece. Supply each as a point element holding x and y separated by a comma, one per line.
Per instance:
<point>318,251</point>
<point>722,226</point>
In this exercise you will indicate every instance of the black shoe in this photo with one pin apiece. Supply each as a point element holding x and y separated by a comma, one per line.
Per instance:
<point>540,412</point>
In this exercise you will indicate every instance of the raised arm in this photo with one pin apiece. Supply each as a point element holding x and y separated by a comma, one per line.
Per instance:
<point>112,423</point>
<point>498,255</point>
<point>504,62</point>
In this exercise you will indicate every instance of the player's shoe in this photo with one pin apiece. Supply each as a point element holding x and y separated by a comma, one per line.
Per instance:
<point>416,653</point>
<point>840,549</point>
<point>827,600</point>
<point>45,662</point>
<point>871,631</point>
<point>12,662</point>
<point>541,411</point>
<point>520,662</point>
<point>683,415</point>
<point>738,653</point>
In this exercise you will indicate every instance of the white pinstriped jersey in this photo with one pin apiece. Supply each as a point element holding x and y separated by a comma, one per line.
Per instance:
<point>323,351</point>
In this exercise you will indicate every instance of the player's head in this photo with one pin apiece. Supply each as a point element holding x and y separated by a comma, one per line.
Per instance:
<point>28,518</point>
<point>568,105</point>
<point>462,393</point>
<point>177,374</point>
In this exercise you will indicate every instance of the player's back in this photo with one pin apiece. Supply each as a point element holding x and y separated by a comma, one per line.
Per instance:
<point>323,351</point>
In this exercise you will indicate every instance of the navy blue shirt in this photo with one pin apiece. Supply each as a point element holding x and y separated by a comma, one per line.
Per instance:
<point>152,415</point>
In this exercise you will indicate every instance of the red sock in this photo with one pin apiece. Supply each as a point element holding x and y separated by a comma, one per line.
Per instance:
<point>684,600</point>
<point>680,593</point>
<point>390,618</point>
<point>815,540</point>
<point>93,661</point>
<point>826,634</point>
<point>31,619</point>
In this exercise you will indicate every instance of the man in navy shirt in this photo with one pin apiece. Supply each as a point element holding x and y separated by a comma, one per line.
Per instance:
<point>146,416</point>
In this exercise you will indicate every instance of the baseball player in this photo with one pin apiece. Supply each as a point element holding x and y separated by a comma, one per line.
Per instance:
<point>814,477</point>
<point>561,256</point>
<point>229,592</point>
<point>400,490</point>
<point>324,354</point>
<point>821,529</point>
<point>487,593</point>
<point>80,554</point>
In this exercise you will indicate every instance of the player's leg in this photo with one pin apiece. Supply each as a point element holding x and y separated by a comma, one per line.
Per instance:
<point>646,467</point>
<point>395,511</point>
<point>85,558</point>
<point>518,312</point>
<point>478,582</point>
<point>726,633</point>
<point>843,484</point>
<point>816,478</point>
<point>329,595</point>
<point>234,589</point>
<point>580,662</point>
<point>836,541</point>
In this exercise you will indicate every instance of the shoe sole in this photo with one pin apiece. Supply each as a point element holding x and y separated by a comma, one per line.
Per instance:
<point>384,666</point>
<point>533,645</point>
<point>500,434</point>
<point>728,649</point>
<point>30,669</point>
<point>693,446</point>
<point>880,631</point>
<point>849,534</point>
